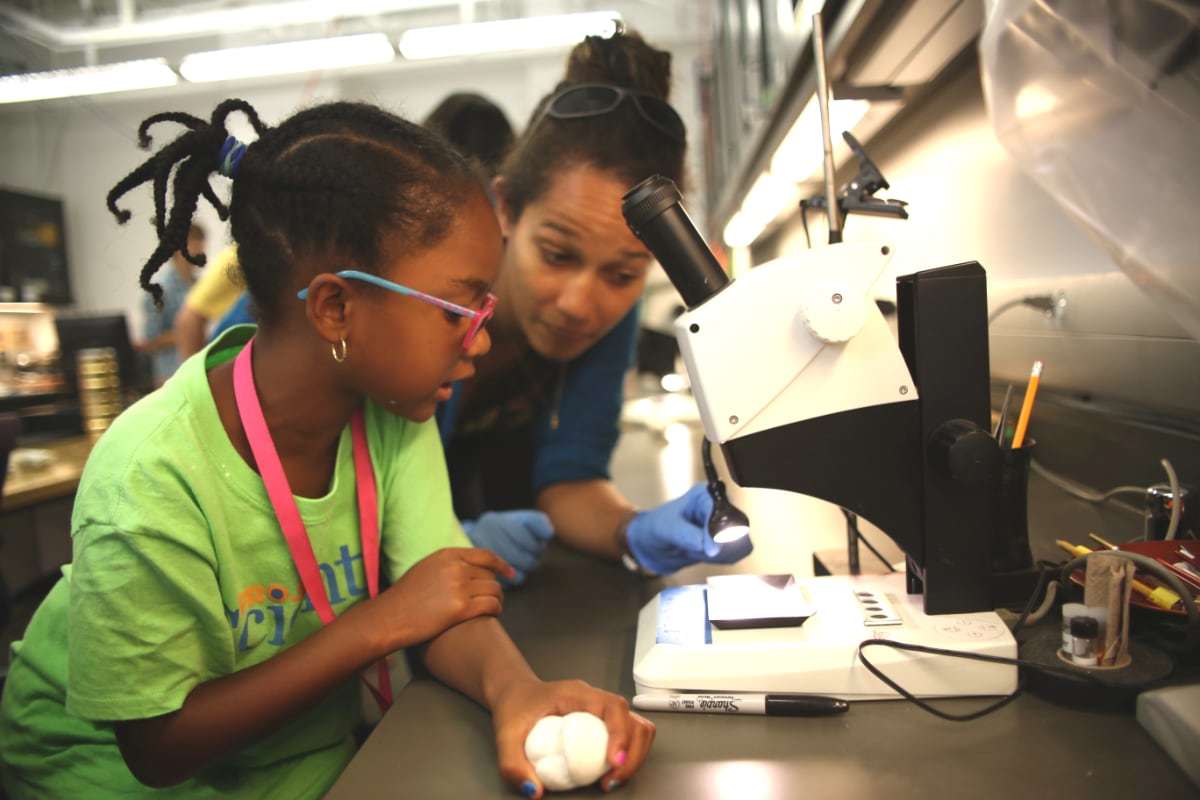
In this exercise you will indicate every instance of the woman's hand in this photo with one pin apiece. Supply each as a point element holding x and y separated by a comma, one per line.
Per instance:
<point>443,589</point>
<point>675,535</point>
<point>518,708</point>
<point>519,537</point>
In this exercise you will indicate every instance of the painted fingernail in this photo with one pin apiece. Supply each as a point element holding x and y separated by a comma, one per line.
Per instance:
<point>529,788</point>
<point>620,759</point>
<point>613,785</point>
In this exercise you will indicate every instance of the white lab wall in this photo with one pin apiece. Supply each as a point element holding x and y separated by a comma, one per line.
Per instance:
<point>29,158</point>
<point>78,150</point>
<point>968,201</point>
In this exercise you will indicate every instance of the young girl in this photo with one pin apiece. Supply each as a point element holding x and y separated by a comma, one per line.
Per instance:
<point>230,529</point>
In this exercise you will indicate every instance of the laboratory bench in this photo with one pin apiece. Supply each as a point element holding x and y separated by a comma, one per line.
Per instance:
<point>576,618</point>
<point>58,478</point>
<point>35,514</point>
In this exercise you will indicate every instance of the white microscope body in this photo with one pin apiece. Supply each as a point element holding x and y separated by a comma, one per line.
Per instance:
<point>779,359</point>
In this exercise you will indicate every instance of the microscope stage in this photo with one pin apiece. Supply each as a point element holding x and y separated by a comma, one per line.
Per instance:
<point>678,649</point>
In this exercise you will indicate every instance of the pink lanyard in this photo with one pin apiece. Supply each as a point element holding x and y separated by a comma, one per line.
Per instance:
<point>271,469</point>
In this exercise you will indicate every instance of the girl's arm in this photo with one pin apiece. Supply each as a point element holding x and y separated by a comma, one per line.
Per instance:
<point>225,714</point>
<point>479,659</point>
<point>162,341</point>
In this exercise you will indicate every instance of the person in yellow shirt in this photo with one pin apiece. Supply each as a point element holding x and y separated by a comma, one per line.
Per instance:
<point>210,297</point>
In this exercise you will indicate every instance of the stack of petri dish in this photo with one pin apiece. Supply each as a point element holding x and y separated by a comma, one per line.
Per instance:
<point>99,388</point>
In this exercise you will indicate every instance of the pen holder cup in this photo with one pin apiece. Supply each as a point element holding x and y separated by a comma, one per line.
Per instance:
<point>1010,538</point>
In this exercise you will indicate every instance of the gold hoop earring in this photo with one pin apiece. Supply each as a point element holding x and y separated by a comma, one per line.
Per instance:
<point>333,349</point>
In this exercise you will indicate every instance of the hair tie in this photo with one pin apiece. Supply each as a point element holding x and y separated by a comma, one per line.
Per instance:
<point>230,156</point>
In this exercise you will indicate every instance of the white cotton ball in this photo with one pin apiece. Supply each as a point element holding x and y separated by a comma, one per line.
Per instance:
<point>554,773</point>
<point>585,742</point>
<point>567,752</point>
<point>543,740</point>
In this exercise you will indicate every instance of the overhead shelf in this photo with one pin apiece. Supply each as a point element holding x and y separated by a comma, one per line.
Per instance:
<point>880,53</point>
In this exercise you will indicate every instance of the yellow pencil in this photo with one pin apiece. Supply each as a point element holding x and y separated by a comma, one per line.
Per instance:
<point>1027,405</point>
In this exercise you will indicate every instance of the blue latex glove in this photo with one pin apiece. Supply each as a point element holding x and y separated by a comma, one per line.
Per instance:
<point>675,534</point>
<point>519,537</point>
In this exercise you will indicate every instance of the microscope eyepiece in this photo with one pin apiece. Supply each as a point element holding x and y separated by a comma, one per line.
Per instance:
<point>647,200</point>
<point>655,214</point>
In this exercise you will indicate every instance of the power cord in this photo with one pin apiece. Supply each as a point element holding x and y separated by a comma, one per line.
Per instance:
<point>1063,672</point>
<point>1083,493</point>
<point>1080,491</point>
<point>1176,505</point>
<point>938,651</point>
<point>1028,617</point>
<point>1052,304</point>
<point>878,554</point>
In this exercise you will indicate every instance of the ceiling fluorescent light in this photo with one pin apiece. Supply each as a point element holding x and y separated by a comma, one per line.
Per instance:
<point>529,33</point>
<point>288,57</point>
<point>179,23</point>
<point>741,231</point>
<point>802,153</point>
<point>767,199</point>
<point>121,77</point>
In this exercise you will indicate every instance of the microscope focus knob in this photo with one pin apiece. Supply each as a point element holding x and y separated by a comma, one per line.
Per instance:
<point>833,308</point>
<point>965,452</point>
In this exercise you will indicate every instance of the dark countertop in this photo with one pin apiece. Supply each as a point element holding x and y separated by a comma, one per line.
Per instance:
<point>576,618</point>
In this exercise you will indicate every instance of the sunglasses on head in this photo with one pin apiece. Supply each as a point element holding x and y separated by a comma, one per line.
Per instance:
<point>478,318</point>
<point>597,99</point>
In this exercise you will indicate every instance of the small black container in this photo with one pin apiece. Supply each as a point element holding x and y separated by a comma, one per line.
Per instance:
<point>1010,537</point>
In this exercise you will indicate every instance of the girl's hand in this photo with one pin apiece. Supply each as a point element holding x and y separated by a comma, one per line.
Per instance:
<point>520,706</point>
<point>443,589</point>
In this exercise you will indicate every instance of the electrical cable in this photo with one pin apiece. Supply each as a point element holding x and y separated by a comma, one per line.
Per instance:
<point>1005,306</point>
<point>710,469</point>
<point>1063,672</point>
<point>1043,302</point>
<point>878,555</point>
<point>804,222</point>
<point>938,651</point>
<point>1047,604</point>
<point>1176,501</point>
<point>1083,493</point>
<point>1080,491</point>
<point>1045,570</point>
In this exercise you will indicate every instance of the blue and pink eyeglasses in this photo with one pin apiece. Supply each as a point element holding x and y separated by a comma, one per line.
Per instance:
<point>478,318</point>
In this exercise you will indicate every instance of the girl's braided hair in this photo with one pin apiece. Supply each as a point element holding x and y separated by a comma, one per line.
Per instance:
<point>341,180</point>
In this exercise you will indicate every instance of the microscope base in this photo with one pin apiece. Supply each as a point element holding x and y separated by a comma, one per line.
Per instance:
<point>679,650</point>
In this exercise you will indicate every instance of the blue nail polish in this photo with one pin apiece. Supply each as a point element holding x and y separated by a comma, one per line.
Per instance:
<point>613,785</point>
<point>529,788</point>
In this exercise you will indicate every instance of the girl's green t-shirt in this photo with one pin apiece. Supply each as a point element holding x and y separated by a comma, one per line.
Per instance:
<point>180,575</point>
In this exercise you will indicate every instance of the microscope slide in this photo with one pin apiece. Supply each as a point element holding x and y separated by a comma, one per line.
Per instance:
<point>757,601</point>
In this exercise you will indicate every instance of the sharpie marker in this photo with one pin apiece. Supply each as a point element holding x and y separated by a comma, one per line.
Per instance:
<point>773,705</point>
